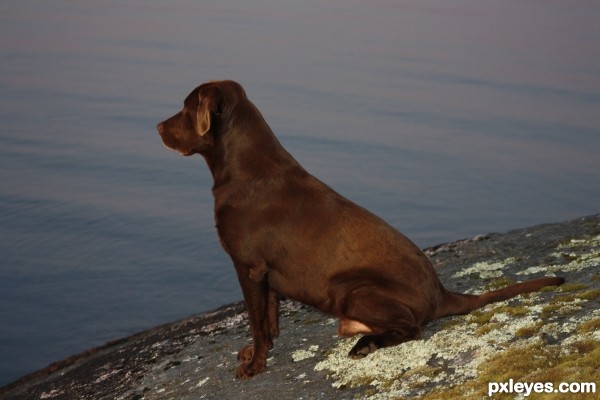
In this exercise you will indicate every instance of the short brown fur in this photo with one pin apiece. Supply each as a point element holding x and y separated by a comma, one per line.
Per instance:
<point>289,234</point>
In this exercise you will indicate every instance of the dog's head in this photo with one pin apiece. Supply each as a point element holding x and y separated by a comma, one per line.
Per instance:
<point>205,112</point>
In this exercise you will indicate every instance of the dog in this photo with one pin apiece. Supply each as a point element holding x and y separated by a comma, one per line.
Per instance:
<point>289,234</point>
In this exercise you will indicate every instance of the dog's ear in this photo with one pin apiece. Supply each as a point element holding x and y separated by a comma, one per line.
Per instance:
<point>208,104</point>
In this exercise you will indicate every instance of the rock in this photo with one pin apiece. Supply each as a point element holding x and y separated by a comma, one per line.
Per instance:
<point>549,336</point>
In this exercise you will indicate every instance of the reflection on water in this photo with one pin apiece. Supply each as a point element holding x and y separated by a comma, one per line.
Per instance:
<point>447,119</point>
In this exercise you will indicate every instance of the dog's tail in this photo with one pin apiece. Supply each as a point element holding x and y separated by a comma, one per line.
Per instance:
<point>459,303</point>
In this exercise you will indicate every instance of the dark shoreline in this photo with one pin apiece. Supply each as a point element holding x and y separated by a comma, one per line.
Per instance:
<point>195,356</point>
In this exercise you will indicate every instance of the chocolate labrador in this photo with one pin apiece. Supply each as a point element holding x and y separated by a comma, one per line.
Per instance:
<point>289,234</point>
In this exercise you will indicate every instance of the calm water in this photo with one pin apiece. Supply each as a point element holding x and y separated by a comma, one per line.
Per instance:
<point>448,119</point>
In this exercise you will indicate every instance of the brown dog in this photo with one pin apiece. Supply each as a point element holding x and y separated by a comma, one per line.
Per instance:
<point>290,234</point>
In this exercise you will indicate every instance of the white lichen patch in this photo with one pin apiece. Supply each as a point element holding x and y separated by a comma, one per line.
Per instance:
<point>202,381</point>
<point>486,270</point>
<point>581,254</point>
<point>574,243</point>
<point>300,355</point>
<point>535,270</point>
<point>502,317</point>
<point>227,323</point>
<point>453,355</point>
<point>107,375</point>
<point>581,262</point>
<point>51,394</point>
<point>458,348</point>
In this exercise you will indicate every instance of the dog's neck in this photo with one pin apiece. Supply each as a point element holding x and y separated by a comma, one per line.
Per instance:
<point>249,154</point>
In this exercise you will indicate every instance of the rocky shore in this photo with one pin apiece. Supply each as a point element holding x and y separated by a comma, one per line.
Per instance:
<point>549,336</point>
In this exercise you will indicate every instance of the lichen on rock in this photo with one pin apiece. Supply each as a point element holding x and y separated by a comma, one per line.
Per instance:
<point>542,337</point>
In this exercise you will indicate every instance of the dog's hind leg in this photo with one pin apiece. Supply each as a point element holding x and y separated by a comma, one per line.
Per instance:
<point>388,321</point>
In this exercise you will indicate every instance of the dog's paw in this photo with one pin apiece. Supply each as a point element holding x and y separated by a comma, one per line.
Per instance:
<point>245,355</point>
<point>243,372</point>
<point>248,370</point>
<point>365,345</point>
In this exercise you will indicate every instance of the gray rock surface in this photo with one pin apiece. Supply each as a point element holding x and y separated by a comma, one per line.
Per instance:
<point>196,358</point>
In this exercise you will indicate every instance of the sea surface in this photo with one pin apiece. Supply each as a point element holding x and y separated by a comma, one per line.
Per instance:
<point>447,119</point>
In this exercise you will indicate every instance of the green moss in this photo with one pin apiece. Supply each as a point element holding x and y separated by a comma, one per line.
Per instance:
<point>560,305</point>
<point>535,363</point>
<point>498,283</point>
<point>362,381</point>
<point>585,346</point>
<point>387,384</point>
<point>452,322</point>
<point>487,328</point>
<point>563,299</point>
<point>552,309</point>
<point>529,331</point>
<point>578,367</point>
<point>519,362</point>
<point>368,393</point>
<point>311,321</point>
<point>483,317</point>
<point>570,287</point>
<point>557,304</point>
<point>590,326</point>
<point>590,294</point>
<point>549,289</point>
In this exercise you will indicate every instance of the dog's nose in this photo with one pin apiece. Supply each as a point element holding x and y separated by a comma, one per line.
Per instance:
<point>159,127</point>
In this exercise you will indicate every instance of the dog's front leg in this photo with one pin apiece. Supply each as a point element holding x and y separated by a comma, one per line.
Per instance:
<point>257,298</point>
